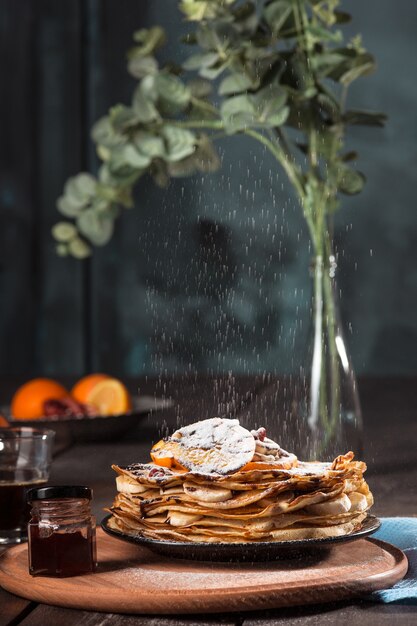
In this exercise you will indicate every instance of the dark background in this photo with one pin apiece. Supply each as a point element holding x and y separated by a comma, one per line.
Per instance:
<point>211,274</point>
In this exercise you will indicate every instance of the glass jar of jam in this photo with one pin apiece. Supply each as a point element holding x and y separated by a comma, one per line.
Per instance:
<point>61,531</point>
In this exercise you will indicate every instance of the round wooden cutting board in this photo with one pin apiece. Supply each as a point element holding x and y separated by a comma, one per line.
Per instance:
<point>130,579</point>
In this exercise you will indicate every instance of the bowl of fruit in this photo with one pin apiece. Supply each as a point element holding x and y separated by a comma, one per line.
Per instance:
<point>97,408</point>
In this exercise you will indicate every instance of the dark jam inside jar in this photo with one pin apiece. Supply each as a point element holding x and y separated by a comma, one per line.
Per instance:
<point>61,553</point>
<point>61,536</point>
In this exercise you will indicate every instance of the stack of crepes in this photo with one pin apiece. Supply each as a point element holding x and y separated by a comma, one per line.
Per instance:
<point>215,481</point>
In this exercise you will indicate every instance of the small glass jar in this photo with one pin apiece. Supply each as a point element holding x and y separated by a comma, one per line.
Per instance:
<point>61,532</point>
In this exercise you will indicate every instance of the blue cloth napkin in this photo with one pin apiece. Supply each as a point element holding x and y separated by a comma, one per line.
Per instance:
<point>401,532</point>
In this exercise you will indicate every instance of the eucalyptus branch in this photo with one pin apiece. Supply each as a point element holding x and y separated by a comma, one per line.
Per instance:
<point>262,87</point>
<point>198,124</point>
<point>207,106</point>
<point>280,156</point>
<point>280,134</point>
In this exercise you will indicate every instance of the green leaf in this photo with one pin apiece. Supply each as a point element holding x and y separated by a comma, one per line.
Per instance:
<point>101,205</point>
<point>95,226</point>
<point>316,34</point>
<point>350,181</point>
<point>149,40</point>
<point>78,192</point>
<point>180,142</point>
<point>217,36</point>
<point>121,178</point>
<point>356,72</point>
<point>61,249</point>
<point>237,104</point>
<point>211,73</point>
<point>173,94</point>
<point>237,113</point>
<point>128,155</point>
<point>106,193</point>
<point>246,17</point>
<point>365,118</point>
<point>198,61</point>
<point>204,159</point>
<point>103,153</point>
<point>265,108</point>
<point>139,66</point>
<point>82,186</point>
<point>326,62</point>
<point>199,88</point>
<point>270,105</point>
<point>64,232</point>
<point>197,10</point>
<point>149,144</point>
<point>235,83</point>
<point>69,206</point>
<point>144,109</point>
<point>328,106</point>
<point>104,134</point>
<point>123,118</point>
<point>277,13</point>
<point>79,248</point>
<point>279,118</point>
<point>355,65</point>
<point>148,88</point>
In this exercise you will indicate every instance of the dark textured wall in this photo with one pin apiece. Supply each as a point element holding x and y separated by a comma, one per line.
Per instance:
<point>210,274</point>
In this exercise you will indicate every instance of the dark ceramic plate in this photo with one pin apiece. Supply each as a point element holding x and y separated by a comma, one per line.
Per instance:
<point>91,429</point>
<point>238,552</point>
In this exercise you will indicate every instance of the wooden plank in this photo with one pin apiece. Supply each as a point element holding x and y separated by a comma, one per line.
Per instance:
<point>335,614</point>
<point>18,290</point>
<point>69,617</point>
<point>59,332</point>
<point>13,609</point>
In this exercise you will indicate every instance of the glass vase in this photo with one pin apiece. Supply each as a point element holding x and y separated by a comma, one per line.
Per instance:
<point>326,410</point>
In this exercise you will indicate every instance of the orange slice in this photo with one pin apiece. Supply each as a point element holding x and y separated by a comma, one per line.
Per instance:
<point>164,457</point>
<point>216,445</point>
<point>83,387</point>
<point>260,465</point>
<point>110,397</point>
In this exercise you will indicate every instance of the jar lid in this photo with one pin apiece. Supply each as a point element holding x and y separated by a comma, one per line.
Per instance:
<point>58,492</point>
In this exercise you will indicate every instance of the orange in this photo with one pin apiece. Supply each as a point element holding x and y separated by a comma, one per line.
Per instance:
<point>82,388</point>
<point>3,422</point>
<point>258,465</point>
<point>164,461</point>
<point>110,397</point>
<point>27,402</point>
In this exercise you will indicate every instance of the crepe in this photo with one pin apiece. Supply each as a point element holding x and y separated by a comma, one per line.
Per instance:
<point>214,481</point>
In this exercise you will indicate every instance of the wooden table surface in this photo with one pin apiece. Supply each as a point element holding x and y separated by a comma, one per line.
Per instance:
<point>390,424</point>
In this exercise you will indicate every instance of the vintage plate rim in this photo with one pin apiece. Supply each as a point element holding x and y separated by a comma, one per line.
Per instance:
<point>371,525</point>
